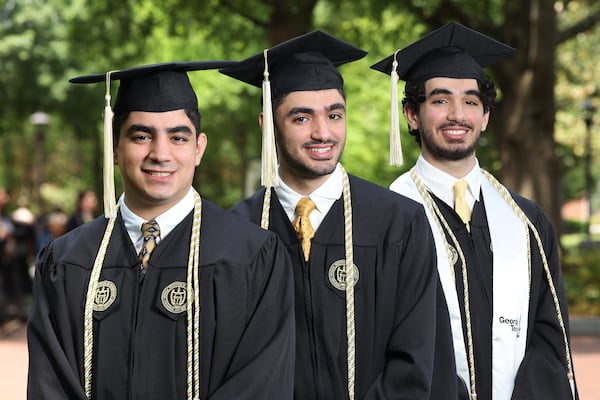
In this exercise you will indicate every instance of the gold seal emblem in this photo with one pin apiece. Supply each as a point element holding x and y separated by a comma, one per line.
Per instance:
<point>337,274</point>
<point>106,293</point>
<point>175,296</point>
<point>453,254</point>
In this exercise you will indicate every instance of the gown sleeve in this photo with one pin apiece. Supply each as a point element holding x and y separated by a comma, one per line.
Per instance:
<point>410,352</point>
<point>543,371</point>
<point>52,373</point>
<point>263,364</point>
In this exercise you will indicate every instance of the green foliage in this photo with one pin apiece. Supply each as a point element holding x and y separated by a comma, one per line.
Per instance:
<point>581,274</point>
<point>43,43</point>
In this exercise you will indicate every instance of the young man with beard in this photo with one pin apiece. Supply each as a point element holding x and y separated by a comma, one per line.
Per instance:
<point>167,296</point>
<point>497,252</point>
<point>366,332</point>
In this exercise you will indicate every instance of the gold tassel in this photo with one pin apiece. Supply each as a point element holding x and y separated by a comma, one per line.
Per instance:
<point>268,175</point>
<point>395,145</point>
<point>110,209</point>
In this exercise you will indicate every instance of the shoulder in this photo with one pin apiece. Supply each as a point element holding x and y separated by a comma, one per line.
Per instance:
<point>530,208</point>
<point>380,197</point>
<point>251,207</point>
<point>236,237</point>
<point>78,246</point>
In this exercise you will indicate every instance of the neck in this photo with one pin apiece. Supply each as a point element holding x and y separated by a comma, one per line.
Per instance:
<point>456,168</point>
<point>303,185</point>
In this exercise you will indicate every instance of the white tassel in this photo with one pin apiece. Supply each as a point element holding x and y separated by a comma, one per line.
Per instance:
<point>110,209</point>
<point>395,145</point>
<point>268,175</point>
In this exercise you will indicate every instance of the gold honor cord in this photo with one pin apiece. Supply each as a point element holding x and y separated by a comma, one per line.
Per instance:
<point>350,322</point>
<point>349,266</point>
<point>508,198</point>
<point>193,306</point>
<point>88,316</point>
<point>264,219</point>
<point>440,220</point>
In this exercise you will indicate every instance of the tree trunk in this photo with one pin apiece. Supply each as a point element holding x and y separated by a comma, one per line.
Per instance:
<point>523,122</point>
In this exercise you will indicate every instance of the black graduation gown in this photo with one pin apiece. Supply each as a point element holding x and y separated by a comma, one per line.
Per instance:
<point>395,299</point>
<point>247,336</point>
<point>542,373</point>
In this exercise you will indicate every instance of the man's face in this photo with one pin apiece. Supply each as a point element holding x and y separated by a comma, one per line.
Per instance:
<point>157,154</point>
<point>311,133</point>
<point>450,120</point>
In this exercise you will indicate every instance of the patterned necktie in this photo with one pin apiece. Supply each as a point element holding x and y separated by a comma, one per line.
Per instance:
<point>302,224</point>
<point>460,202</point>
<point>150,231</point>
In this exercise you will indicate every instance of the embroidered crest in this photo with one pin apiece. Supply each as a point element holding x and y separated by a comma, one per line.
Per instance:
<point>337,274</point>
<point>106,294</point>
<point>174,297</point>
<point>453,254</point>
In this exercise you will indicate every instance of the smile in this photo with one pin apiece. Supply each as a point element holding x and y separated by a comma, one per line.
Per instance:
<point>455,132</point>
<point>320,149</point>
<point>158,174</point>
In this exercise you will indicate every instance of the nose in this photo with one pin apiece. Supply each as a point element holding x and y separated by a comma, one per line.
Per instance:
<point>160,150</point>
<point>320,128</point>
<point>456,112</point>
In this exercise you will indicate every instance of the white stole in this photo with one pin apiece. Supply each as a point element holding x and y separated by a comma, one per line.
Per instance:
<point>406,186</point>
<point>511,285</point>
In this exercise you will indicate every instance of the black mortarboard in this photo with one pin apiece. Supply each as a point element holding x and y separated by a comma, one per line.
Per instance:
<point>151,88</point>
<point>154,87</point>
<point>306,62</point>
<point>452,51</point>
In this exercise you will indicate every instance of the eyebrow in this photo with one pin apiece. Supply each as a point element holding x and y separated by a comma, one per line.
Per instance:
<point>308,110</point>
<point>151,130</point>
<point>470,92</point>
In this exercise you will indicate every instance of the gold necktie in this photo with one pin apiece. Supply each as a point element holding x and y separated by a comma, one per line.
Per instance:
<point>460,202</point>
<point>302,224</point>
<point>150,231</point>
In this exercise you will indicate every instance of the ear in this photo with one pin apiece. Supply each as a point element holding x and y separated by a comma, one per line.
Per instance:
<point>484,122</point>
<point>260,120</point>
<point>201,143</point>
<point>412,117</point>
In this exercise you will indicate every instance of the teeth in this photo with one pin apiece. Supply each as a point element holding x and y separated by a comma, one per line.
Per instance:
<point>160,174</point>
<point>455,132</point>
<point>321,150</point>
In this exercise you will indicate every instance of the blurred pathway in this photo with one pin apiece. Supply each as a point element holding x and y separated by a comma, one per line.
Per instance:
<point>13,365</point>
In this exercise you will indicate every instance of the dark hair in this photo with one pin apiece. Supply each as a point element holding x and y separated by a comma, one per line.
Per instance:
<point>414,95</point>
<point>192,113</point>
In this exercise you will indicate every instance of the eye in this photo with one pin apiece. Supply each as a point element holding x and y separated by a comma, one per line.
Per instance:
<point>335,116</point>
<point>300,119</point>
<point>140,137</point>
<point>180,138</point>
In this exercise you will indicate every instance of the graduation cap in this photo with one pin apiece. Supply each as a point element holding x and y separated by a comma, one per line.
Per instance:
<point>151,88</point>
<point>304,63</point>
<point>452,51</point>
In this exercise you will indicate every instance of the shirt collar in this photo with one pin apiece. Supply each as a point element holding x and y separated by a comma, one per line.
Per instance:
<point>323,197</point>
<point>440,183</point>
<point>167,221</point>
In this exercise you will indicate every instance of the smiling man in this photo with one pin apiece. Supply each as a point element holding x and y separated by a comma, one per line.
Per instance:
<point>366,332</point>
<point>497,252</point>
<point>169,296</point>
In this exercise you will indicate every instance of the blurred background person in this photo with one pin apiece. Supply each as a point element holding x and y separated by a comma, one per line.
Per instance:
<point>19,270</point>
<point>7,246</point>
<point>87,210</point>
<point>54,225</point>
